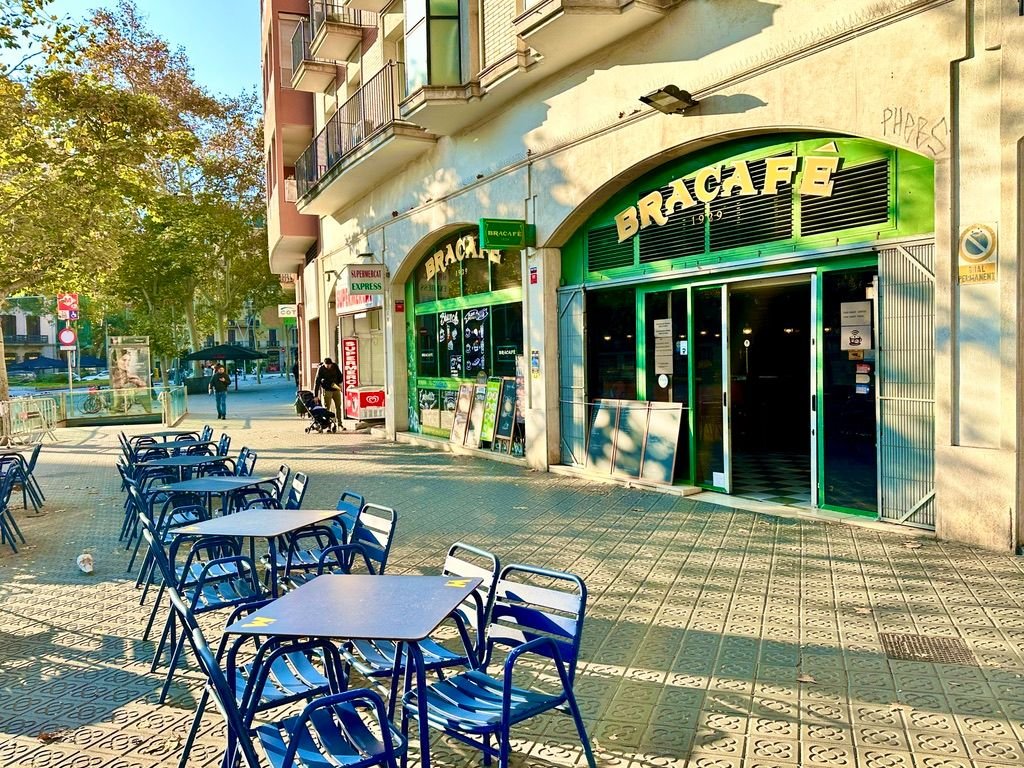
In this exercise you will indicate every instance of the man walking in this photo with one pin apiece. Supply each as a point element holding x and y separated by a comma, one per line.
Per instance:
<point>219,387</point>
<point>328,379</point>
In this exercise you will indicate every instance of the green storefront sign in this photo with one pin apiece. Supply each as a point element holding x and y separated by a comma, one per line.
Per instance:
<point>506,233</point>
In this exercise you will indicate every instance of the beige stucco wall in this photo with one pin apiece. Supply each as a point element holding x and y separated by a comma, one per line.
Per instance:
<point>916,74</point>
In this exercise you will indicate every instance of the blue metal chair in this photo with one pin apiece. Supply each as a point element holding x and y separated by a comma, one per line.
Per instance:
<point>348,728</point>
<point>544,621</point>
<point>307,545</point>
<point>8,525</point>
<point>375,659</point>
<point>296,491</point>
<point>245,463</point>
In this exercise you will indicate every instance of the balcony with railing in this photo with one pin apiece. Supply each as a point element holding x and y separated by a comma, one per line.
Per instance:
<point>337,29</point>
<point>15,339</point>
<point>309,73</point>
<point>564,31</point>
<point>367,124</point>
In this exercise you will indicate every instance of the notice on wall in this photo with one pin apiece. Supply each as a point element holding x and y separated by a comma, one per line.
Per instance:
<point>450,342</point>
<point>430,408</point>
<point>978,260</point>
<point>663,327</point>
<point>855,313</point>
<point>855,337</point>
<point>449,401</point>
<point>663,348</point>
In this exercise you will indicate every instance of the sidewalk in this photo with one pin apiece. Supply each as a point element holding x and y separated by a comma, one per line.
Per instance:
<point>715,637</point>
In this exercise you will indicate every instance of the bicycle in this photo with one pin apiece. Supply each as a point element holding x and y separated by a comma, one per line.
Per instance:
<point>94,402</point>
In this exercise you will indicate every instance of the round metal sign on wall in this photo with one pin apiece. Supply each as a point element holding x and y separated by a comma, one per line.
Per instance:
<point>977,243</point>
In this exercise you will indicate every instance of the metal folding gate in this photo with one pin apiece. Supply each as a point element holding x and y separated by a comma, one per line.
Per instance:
<point>906,385</point>
<point>572,376</point>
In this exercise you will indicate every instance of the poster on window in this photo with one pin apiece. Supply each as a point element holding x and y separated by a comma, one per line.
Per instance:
<point>129,364</point>
<point>474,333</point>
<point>449,342</point>
<point>430,408</point>
<point>448,400</point>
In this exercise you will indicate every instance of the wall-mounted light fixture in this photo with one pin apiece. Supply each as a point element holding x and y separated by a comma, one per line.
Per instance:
<point>669,99</point>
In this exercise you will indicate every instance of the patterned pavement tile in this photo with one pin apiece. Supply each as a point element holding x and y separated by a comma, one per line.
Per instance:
<point>715,637</point>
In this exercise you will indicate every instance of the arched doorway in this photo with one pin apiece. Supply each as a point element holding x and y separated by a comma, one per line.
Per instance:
<point>779,292</point>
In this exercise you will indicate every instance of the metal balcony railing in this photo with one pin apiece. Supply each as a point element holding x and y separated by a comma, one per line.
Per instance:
<point>300,45</point>
<point>371,109</point>
<point>321,11</point>
<point>26,338</point>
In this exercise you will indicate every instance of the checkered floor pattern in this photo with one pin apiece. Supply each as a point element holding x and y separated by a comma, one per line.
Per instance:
<point>778,478</point>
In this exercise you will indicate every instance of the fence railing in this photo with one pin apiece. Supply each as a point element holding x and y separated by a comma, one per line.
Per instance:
<point>339,13</point>
<point>28,419</point>
<point>175,405</point>
<point>26,338</point>
<point>300,46</point>
<point>372,108</point>
<point>107,404</point>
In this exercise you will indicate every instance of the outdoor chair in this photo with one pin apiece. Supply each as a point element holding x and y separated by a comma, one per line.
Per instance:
<point>15,467</point>
<point>306,545</point>
<point>281,481</point>
<point>223,582</point>
<point>347,728</point>
<point>296,492</point>
<point>223,444</point>
<point>206,434</point>
<point>245,464</point>
<point>8,525</point>
<point>378,658</point>
<point>528,619</point>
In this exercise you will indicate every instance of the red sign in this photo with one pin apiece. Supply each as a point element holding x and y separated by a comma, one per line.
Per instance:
<point>67,302</point>
<point>350,362</point>
<point>364,403</point>
<point>347,303</point>
<point>399,305</point>
<point>533,275</point>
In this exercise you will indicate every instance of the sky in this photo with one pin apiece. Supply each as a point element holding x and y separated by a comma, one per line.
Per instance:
<point>221,37</point>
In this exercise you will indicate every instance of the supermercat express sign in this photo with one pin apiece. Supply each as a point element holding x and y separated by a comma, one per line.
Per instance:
<point>728,180</point>
<point>366,279</point>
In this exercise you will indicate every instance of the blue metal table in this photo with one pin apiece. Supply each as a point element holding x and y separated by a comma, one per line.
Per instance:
<point>254,524</point>
<point>222,486</point>
<point>406,609</point>
<point>182,462</point>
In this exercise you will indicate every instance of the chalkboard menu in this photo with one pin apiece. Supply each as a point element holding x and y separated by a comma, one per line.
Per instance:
<point>449,342</point>
<point>449,399</point>
<point>461,421</point>
<point>629,439</point>
<point>662,442</point>
<point>506,418</point>
<point>601,446</point>
<point>430,408</point>
<point>476,415</point>
<point>490,417</point>
<point>474,335</point>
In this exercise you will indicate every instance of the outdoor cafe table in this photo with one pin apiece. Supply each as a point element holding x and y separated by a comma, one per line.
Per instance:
<point>259,524</point>
<point>405,609</point>
<point>164,434</point>
<point>214,484</point>
<point>177,445</point>
<point>181,463</point>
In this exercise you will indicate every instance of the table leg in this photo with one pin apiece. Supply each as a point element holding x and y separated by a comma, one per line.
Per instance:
<point>272,553</point>
<point>415,658</point>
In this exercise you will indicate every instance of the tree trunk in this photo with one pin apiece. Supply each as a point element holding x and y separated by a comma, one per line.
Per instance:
<point>165,363</point>
<point>193,335</point>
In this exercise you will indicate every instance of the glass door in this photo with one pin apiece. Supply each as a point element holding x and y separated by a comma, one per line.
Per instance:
<point>711,381</point>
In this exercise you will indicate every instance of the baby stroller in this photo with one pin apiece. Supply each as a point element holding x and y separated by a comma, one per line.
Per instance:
<point>322,419</point>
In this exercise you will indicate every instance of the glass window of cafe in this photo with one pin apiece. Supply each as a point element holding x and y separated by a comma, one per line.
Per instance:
<point>467,319</point>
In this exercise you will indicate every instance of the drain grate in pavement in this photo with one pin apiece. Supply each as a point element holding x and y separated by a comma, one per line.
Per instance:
<point>938,650</point>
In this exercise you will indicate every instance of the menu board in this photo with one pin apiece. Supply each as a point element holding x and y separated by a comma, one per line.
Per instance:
<point>506,419</point>
<point>476,415</point>
<point>662,442</point>
<point>430,408</point>
<point>490,417</point>
<point>449,399</point>
<point>449,342</point>
<point>475,328</point>
<point>461,420</point>
<point>601,445</point>
<point>629,439</point>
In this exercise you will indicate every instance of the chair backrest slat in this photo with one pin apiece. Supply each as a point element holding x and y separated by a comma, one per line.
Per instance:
<point>374,531</point>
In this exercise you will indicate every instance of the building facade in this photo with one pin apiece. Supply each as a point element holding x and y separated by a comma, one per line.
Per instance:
<point>27,333</point>
<point>775,252</point>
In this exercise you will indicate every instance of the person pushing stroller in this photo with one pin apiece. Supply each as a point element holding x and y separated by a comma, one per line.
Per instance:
<point>328,381</point>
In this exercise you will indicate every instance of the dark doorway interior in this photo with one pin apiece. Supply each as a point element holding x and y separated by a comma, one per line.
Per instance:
<point>770,370</point>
